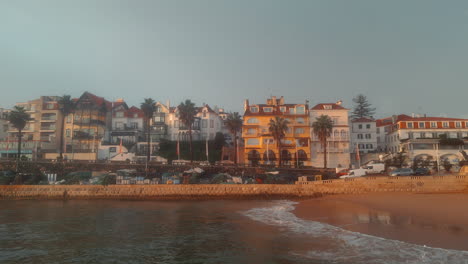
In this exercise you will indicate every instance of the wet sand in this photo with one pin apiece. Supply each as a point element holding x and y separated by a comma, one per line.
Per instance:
<point>435,220</point>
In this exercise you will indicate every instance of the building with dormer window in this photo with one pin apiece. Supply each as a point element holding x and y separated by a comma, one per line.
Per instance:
<point>260,146</point>
<point>338,143</point>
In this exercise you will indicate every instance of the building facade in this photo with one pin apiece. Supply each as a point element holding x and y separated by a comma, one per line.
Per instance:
<point>87,127</point>
<point>259,145</point>
<point>127,124</point>
<point>338,144</point>
<point>426,138</point>
<point>363,135</point>
<point>42,133</point>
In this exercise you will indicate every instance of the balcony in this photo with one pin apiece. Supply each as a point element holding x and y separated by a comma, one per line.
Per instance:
<point>49,118</point>
<point>48,128</point>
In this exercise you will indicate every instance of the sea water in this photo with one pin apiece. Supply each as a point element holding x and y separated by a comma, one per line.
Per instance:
<point>100,231</point>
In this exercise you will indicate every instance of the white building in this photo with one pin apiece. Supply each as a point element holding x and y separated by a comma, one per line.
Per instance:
<point>363,135</point>
<point>207,124</point>
<point>339,141</point>
<point>127,124</point>
<point>434,138</point>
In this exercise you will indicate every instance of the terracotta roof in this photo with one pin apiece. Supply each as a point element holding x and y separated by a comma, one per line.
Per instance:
<point>363,120</point>
<point>333,105</point>
<point>135,109</point>
<point>399,118</point>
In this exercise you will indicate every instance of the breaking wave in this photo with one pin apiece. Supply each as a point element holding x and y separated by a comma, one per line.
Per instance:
<point>344,246</point>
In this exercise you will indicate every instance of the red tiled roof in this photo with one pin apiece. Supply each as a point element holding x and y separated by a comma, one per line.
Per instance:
<point>363,120</point>
<point>322,107</point>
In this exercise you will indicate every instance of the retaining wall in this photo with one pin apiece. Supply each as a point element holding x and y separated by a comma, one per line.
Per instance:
<point>242,191</point>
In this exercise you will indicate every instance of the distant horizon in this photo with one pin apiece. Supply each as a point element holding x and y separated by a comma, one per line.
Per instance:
<point>405,56</point>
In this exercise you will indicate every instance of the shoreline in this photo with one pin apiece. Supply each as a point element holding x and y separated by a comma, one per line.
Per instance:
<point>437,220</point>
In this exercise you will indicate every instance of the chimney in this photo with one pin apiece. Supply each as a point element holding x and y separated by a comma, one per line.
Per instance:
<point>394,118</point>
<point>246,104</point>
<point>339,102</point>
<point>273,100</point>
<point>412,115</point>
<point>168,104</point>
<point>281,100</point>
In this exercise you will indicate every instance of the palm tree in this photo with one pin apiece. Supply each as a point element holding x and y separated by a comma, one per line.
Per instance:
<point>18,119</point>
<point>148,107</point>
<point>277,128</point>
<point>322,128</point>
<point>234,124</point>
<point>187,114</point>
<point>66,107</point>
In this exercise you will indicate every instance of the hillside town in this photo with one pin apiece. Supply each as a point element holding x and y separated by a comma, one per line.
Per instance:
<point>275,133</point>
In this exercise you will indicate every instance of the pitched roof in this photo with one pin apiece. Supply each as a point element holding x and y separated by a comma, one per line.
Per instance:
<point>333,105</point>
<point>363,120</point>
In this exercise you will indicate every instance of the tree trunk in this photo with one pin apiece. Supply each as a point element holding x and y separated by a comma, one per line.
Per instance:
<point>61,138</point>
<point>148,131</point>
<point>325,153</point>
<point>190,138</point>
<point>278,144</point>
<point>19,144</point>
<point>235,147</point>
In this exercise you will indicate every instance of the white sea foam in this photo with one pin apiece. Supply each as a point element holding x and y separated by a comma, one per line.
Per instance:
<point>352,247</point>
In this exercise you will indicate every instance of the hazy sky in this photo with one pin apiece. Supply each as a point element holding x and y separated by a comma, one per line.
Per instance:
<point>406,56</point>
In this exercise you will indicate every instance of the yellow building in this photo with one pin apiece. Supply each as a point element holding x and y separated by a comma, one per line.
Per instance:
<point>85,128</point>
<point>259,145</point>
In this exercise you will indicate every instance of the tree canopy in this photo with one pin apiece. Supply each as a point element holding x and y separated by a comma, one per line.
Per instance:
<point>362,107</point>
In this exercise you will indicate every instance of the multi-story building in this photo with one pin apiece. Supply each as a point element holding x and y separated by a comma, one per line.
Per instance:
<point>259,145</point>
<point>127,124</point>
<point>41,135</point>
<point>207,123</point>
<point>338,143</point>
<point>3,124</point>
<point>429,138</point>
<point>87,127</point>
<point>363,135</point>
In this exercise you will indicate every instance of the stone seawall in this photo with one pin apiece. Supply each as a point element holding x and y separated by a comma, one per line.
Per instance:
<point>414,184</point>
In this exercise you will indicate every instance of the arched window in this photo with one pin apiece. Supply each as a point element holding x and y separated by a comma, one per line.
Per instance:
<point>336,133</point>
<point>301,155</point>
<point>269,156</point>
<point>252,121</point>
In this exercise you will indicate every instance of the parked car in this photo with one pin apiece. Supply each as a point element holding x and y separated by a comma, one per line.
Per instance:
<point>354,173</point>
<point>375,168</point>
<point>402,172</point>
<point>422,171</point>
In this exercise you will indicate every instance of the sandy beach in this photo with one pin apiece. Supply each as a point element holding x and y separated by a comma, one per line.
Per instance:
<point>435,220</point>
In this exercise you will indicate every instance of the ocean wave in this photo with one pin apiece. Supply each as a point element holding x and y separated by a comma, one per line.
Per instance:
<point>344,246</point>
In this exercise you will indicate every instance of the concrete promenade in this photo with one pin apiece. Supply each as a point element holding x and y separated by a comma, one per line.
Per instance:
<point>414,184</point>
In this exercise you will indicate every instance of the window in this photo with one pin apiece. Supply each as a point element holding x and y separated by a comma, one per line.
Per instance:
<point>335,120</point>
<point>327,107</point>
<point>211,123</point>
<point>252,141</point>
<point>268,141</point>
<point>135,115</point>
<point>254,109</point>
<point>368,136</point>
<point>378,130</point>
<point>361,146</point>
<point>360,126</point>
<point>134,125</point>
<point>119,125</point>
<point>49,106</point>
<point>300,110</point>
<point>466,124</point>
<point>434,124</point>
<point>457,124</point>
<point>343,134</point>
<point>283,109</point>
<point>368,126</point>
<point>409,124</point>
<point>252,121</point>
<point>251,131</point>
<point>445,124</point>
<point>359,136</point>
<point>112,149</point>
<point>299,130</point>
<point>204,113</point>
<point>421,124</point>
<point>410,135</point>
<point>69,118</point>
<point>176,123</point>
<point>300,120</point>
<point>159,109</point>
<point>119,114</point>
<point>204,123</point>
<point>368,146</point>
<point>267,109</point>
<point>67,133</point>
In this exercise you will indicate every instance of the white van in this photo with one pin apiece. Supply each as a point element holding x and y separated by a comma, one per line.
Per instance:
<point>375,168</point>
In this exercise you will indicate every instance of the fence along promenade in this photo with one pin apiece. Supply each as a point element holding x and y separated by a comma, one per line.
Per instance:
<point>302,189</point>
